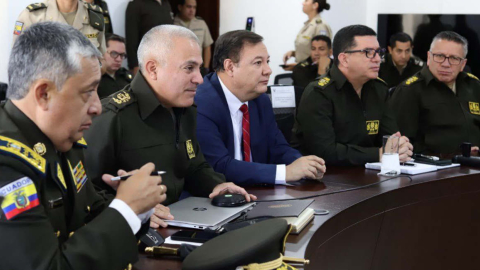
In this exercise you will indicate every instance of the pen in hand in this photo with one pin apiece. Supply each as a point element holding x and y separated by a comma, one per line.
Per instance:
<point>125,177</point>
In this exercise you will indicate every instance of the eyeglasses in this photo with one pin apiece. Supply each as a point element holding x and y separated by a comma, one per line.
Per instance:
<point>115,54</point>
<point>440,58</point>
<point>370,53</point>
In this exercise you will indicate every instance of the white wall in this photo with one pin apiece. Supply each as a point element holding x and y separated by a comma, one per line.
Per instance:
<point>278,21</point>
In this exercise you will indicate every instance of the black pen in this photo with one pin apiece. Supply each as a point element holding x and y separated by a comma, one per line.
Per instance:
<point>125,177</point>
<point>408,164</point>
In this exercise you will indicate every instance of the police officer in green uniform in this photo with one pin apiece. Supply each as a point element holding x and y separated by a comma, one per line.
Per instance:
<point>317,64</point>
<point>343,116</point>
<point>85,17</point>
<point>438,108</point>
<point>50,213</point>
<point>399,63</point>
<point>116,77</point>
<point>153,120</point>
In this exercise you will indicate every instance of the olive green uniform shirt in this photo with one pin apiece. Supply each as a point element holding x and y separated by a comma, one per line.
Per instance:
<point>314,27</point>
<point>390,74</point>
<point>135,128</point>
<point>198,26</point>
<point>109,85</point>
<point>59,222</point>
<point>433,117</point>
<point>334,123</point>
<point>304,73</point>
<point>89,20</point>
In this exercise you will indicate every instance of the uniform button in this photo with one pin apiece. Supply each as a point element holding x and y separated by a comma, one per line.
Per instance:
<point>87,209</point>
<point>57,233</point>
<point>71,234</point>
<point>129,266</point>
<point>139,241</point>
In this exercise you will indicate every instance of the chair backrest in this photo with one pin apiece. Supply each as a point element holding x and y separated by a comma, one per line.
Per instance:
<point>284,79</point>
<point>3,91</point>
<point>285,117</point>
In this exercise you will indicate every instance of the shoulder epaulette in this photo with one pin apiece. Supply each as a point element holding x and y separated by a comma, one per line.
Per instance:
<point>198,17</point>
<point>95,14</point>
<point>324,81</point>
<point>381,80</point>
<point>81,143</point>
<point>318,21</point>
<point>411,80</point>
<point>36,6</point>
<point>22,152</point>
<point>120,100</point>
<point>472,76</point>
<point>304,63</point>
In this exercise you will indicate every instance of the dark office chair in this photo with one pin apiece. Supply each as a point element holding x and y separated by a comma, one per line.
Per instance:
<point>283,79</point>
<point>3,91</point>
<point>285,117</point>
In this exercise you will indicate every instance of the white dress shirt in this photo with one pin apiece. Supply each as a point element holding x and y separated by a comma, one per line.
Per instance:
<point>234,105</point>
<point>135,222</point>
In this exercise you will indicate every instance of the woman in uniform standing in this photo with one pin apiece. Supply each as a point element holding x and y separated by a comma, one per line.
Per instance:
<point>314,26</point>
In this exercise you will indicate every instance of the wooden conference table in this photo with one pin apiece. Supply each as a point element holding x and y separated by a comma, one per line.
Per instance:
<point>431,221</point>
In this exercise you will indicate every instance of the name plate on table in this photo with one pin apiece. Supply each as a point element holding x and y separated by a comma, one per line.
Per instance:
<point>283,96</point>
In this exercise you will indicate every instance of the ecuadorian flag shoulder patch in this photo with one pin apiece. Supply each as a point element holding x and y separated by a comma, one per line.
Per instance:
<point>19,196</point>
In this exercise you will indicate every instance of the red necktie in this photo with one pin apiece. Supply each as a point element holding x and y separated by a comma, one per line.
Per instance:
<point>246,132</point>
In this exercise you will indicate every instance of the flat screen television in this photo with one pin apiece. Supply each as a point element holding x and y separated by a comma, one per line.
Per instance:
<point>423,27</point>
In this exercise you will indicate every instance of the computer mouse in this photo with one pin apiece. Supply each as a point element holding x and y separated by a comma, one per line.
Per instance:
<point>229,200</point>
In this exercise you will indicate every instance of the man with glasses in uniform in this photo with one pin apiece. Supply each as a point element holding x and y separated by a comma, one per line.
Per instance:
<point>438,108</point>
<point>343,116</point>
<point>116,77</point>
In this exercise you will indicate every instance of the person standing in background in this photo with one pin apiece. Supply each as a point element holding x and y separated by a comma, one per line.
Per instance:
<point>314,26</point>
<point>85,17</point>
<point>316,65</point>
<point>140,17</point>
<point>186,18</point>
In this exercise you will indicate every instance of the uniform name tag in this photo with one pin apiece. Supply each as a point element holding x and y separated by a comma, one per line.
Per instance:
<point>189,147</point>
<point>474,108</point>
<point>372,127</point>
<point>91,35</point>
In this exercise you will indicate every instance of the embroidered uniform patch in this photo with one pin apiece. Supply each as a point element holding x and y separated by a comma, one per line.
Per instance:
<point>18,28</point>
<point>19,196</point>
<point>190,151</point>
<point>474,108</point>
<point>372,127</point>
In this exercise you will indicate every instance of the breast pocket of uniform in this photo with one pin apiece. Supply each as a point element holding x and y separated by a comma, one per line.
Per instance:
<point>440,114</point>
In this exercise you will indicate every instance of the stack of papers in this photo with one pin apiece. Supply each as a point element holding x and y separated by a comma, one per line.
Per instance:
<point>412,170</point>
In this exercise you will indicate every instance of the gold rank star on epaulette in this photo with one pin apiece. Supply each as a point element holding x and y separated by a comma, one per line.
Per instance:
<point>472,76</point>
<point>324,81</point>
<point>411,80</point>
<point>36,6</point>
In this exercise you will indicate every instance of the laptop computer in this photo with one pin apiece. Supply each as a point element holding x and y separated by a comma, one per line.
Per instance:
<point>199,213</point>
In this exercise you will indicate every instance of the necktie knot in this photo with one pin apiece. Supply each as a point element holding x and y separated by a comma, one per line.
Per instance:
<point>244,109</point>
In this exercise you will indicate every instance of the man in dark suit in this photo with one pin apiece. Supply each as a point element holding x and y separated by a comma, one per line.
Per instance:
<point>236,127</point>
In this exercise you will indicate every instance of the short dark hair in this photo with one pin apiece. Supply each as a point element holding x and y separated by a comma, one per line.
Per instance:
<point>323,38</point>
<point>322,5</point>
<point>452,36</point>
<point>113,37</point>
<point>181,2</point>
<point>345,38</point>
<point>230,45</point>
<point>400,37</point>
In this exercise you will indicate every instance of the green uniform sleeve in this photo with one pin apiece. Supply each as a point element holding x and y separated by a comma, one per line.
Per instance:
<point>30,242</point>
<point>315,116</point>
<point>201,179</point>
<point>404,104</point>
<point>102,148</point>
